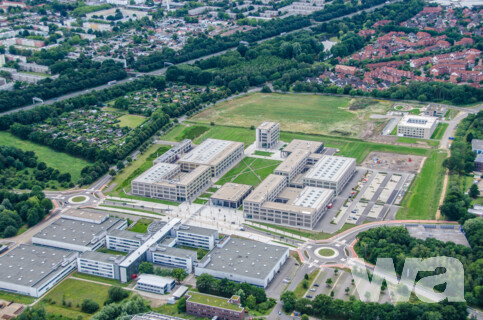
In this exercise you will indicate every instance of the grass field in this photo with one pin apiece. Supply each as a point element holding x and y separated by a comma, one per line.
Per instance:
<point>250,171</point>
<point>295,112</point>
<point>263,153</point>
<point>141,225</point>
<point>439,131</point>
<point>244,135</point>
<point>58,160</point>
<point>74,292</point>
<point>432,143</point>
<point>99,279</point>
<point>300,290</point>
<point>141,164</point>
<point>8,296</point>
<point>422,199</point>
<point>131,121</point>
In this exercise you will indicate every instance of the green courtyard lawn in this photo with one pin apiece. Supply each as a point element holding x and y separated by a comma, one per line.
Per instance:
<point>57,160</point>
<point>439,131</point>
<point>251,171</point>
<point>422,199</point>
<point>142,163</point>
<point>296,112</point>
<point>73,292</point>
<point>131,121</point>
<point>263,153</point>
<point>141,226</point>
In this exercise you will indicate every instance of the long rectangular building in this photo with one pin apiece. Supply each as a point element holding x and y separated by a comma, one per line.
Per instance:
<point>417,126</point>
<point>196,237</point>
<point>172,257</point>
<point>293,164</point>
<point>99,264</point>
<point>265,191</point>
<point>167,181</point>
<point>33,270</point>
<point>219,155</point>
<point>330,172</point>
<point>125,241</point>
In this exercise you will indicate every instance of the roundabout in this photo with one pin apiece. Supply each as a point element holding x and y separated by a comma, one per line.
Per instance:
<point>78,199</point>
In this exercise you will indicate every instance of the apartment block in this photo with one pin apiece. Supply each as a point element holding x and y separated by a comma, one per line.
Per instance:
<point>417,126</point>
<point>268,135</point>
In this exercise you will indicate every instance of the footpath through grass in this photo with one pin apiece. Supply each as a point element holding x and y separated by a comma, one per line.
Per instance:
<point>57,160</point>
<point>251,171</point>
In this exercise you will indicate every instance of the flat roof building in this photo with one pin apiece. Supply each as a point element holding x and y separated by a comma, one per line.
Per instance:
<point>33,270</point>
<point>267,190</point>
<point>243,260</point>
<point>155,284</point>
<point>86,216</point>
<point>231,195</point>
<point>208,306</point>
<point>477,146</point>
<point>196,237</point>
<point>99,264</point>
<point>478,163</point>
<point>167,181</point>
<point>296,144</point>
<point>172,257</point>
<point>77,235</point>
<point>175,152</point>
<point>125,241</point>
<point>330,172</point>
<point>268,135</point>
<point>219,155</point>
<point>417,126</point>
<point>293,164</point>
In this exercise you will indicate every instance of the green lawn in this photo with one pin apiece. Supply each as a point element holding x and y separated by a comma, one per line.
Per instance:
<point>58,160</point>
<point>130,209</point>
<point>432,143</point>
<point>109,251</point>
<point>78,199</point>
<point>244,135</point>
<point>174,133</point>
<point>131,121</point>
<point>251,171</point>
<point>99,279</point>
<point>422,199</point>
<point>19,298</point>
<point>263,153</point>
<point>141,164</point>
<point>74,292</point>
<point>214,301</point>
<point>439,131</point>
<point>141,225</point>
<point>415,112</point>
<point>326,252</point>
<point>172,310</point>
<point>295,112</point>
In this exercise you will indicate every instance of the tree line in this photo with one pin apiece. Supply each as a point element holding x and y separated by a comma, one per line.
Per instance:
<point>323,307</point>
<point>18,209</point>
<point>74,75</point>
<point>21,170</point>
<point>397,244</point>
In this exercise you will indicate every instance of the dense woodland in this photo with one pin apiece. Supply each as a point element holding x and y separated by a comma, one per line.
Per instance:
<point>18,209</point>
<point>396,243</point>
<point>21,170</point>
<point>323,306</point>
<point>74,75</point>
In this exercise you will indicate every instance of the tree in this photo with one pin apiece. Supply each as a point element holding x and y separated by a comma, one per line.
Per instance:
<point>306,276</point>
<point>117,294</point>
<point>289,299</point>
<point>181,305</point>
<point>305,284</point>
<point>179,274</point>
<point>146,267</point>
<point>347,291</point>
<point>305,317</point>
<point>266,89</point>
<point>251,302</point>
<point>10,231</point>
<point>474,191</point>
<point>328,282</point>
<point>89,306</point>
<point>120,165</point>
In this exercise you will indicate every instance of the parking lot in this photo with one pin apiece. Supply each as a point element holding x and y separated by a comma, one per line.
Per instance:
<point>440,232</point>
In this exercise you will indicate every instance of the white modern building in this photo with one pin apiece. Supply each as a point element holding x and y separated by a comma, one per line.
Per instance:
<point>99,264</point>
<point>33,270</point>
<point>268,135</point>
<point>125,241</point>
<point>171,257</point>
<point>219,155</point>
<point>196,237</point>
<point>155,284</point>
<point>330,172</point>
<point>77,235</point>
<point>243,260</point>
<point>417,126</point>
<point>297,145</point>
<point>293,164</point>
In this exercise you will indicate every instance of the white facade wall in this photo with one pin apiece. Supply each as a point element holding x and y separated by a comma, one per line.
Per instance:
<point>96,268</point>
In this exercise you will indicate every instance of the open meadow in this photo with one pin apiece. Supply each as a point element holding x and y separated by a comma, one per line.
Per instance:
<point>299,113</point>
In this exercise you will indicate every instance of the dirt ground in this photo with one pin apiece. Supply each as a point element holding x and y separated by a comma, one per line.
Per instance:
<point>393,162</point>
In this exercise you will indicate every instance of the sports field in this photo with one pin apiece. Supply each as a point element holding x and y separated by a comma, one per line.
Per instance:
<point>250,171</point>
<point>57,160</point>
<point>298,113</point>
<point>131,121</point>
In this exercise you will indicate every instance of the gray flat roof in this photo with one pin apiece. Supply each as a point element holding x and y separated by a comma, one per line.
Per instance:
<point>154,280</point>
<point>246,258</point>
<point>76,232</point>
<point>292,161</point>
<point>265,187</point>
<point>297,144</point>
<point>330,168</point>
<point>197,230</point>
<point>101,257</point>
<point>415,121</point>
<point>477,144</point>
<point>175,252</point>
<point>31,265</point>
<point>232,191</point>
<point>479,158</point>
<point>210,152</point>
<point>127,234</point>
<point>157,173</point>
<point>267,125</point>
<point>87,215</point>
